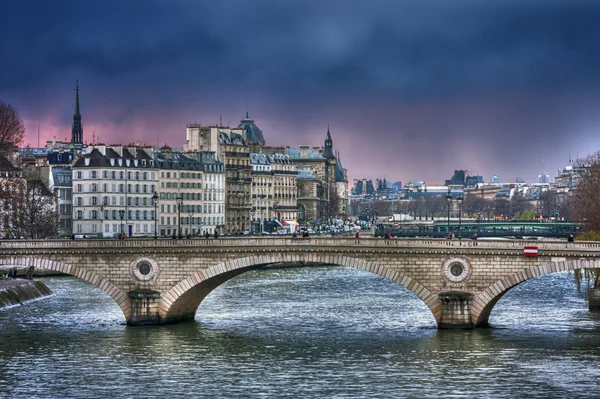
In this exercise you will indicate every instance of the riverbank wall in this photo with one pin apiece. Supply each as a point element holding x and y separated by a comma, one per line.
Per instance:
<point>19,291</point>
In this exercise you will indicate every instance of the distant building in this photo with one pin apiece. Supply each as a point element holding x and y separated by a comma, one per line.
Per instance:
<point>473,182</point>
<point>332,193</point>
<point>544,178</point>
<point>495,179</point>
<point>569,176</point>
<point>363,187</point>
<point>458,179</point>
<point>520,180</point>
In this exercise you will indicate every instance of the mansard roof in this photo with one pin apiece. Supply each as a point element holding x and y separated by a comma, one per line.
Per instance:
<point>253,133</point>
<point>179,161</point>
<point>66,171</point>
<point>339,170</point>
<point>97,160</point>
<point>303,174</point>
<point>279,158</point>
<point>231,138</point>
<point>258,158</point>
<point>294,153</point>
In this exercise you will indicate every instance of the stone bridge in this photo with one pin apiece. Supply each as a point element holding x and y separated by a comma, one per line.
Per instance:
<point>164,281</point>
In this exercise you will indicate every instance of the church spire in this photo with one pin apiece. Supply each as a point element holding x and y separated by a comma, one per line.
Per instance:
<point>328,152</point>
<point>76,128</point>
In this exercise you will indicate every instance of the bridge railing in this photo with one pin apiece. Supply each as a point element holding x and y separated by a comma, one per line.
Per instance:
<point>305,242</point>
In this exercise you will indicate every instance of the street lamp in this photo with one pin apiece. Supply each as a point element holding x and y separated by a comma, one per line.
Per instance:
<point>155,201</point>
<point>459,200</point>
<point>179,205</point>
<point>449,199</point>
<point>191,215</point>
<point>122,216</point>
<point>252,222</point>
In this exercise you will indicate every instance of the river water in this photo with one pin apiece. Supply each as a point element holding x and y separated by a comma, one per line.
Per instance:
<point>320,332</point>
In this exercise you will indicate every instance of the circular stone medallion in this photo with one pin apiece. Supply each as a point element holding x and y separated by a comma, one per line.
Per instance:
<point>456,270</point>
<point>144,269</point>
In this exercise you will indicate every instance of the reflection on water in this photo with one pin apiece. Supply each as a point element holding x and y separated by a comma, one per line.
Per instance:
<point>302,333</point>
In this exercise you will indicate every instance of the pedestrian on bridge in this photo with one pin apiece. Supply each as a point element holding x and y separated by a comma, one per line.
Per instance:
<point>357,235</point>
<point>207,234</point>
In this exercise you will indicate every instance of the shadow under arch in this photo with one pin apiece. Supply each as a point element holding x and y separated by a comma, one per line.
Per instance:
<point>484,302</point>
<point>181,301</point>
<point>120,297</point>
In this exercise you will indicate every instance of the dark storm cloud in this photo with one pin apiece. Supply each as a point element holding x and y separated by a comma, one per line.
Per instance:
<point>401,49</point>
<point>395,64</point>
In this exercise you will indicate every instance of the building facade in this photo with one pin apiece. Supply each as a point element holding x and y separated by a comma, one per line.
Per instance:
<point>332,190</point>
<point>112,192</point>
<point>191,193</point>
<point>230,148</point>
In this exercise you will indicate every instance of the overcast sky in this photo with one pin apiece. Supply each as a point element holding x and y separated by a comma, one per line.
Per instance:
<point>412,89</point>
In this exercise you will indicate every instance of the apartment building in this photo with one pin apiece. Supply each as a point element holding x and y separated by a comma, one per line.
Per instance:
<point>113,188</point>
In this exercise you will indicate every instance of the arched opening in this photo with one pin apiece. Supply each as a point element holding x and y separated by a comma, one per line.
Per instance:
<point>120,297</point>
<point>486,300</point>
<point>317,300</point>
<point>73,302</point>
<point>182,301</point>
<point>547,302</point>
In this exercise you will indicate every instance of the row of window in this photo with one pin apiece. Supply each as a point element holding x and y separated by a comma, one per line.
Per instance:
<point>116,228</point>
<point>104,188</point>
<point>116,175</point>
<point>207,196</point>
<point>114,214</point>
<point>107,201</point>
<point>218,208</point>
<point>215,220</point>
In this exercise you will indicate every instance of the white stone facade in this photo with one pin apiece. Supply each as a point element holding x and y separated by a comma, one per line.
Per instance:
<point>112,192</point>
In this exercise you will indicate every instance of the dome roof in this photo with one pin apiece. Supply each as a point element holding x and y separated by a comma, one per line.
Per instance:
<point>253,133</point>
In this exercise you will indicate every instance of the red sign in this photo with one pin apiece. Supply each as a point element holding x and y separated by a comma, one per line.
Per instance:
<point>530,251</point>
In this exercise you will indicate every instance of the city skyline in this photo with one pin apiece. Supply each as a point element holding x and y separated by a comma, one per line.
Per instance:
<point>410,91</point>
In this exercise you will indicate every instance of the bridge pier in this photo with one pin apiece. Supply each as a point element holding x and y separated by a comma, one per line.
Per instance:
<point>144,307</point>
<point>456,310</point>
<point>594,298</point>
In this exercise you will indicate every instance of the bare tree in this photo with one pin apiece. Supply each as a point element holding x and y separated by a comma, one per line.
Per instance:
<point>584,203</point>
<point>12,130</point>
<point>27,207</point>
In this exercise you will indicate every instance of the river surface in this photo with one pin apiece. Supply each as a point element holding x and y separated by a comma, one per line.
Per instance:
<point>320,332</point>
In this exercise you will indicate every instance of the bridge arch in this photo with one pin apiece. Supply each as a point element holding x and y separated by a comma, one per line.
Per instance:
<point>182,301</point>
<point>484,302</point>
<point>118,295</point>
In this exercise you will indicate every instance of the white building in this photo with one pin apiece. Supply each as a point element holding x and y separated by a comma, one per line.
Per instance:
<point>274,190</point>
<point>112,192</point>
<point>191,193</point>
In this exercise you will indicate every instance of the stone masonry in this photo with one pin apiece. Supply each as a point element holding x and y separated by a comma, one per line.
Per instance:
<point>164,281</point>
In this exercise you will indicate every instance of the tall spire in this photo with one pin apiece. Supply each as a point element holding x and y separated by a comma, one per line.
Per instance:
<point>328,152</point>
<point>76,128</point>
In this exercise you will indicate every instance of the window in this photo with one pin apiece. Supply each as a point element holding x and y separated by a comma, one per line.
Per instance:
<point>79,174</point>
